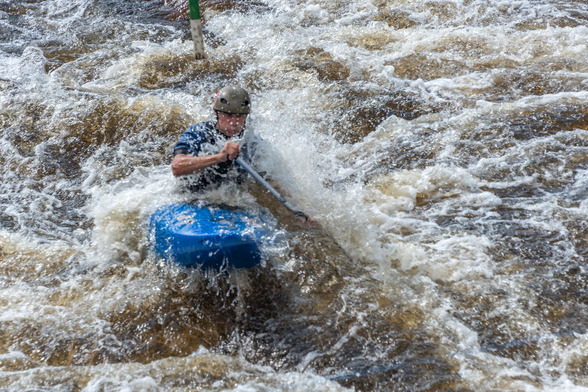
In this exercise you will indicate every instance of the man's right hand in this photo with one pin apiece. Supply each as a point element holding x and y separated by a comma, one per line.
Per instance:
<point>183,164</point>
<point>231,151</point>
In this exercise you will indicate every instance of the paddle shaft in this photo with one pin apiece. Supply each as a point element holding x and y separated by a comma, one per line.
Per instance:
<point>281,198</point>
<point>271,189</point>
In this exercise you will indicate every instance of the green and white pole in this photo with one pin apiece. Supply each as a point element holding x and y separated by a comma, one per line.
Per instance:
<point>196,27</point>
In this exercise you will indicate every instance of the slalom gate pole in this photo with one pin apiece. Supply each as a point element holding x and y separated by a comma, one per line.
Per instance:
<point>196,28</point>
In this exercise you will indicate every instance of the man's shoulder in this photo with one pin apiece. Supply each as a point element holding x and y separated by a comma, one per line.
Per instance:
<point>193,137</point>
<point>199,133</point>
<point>206,128</point>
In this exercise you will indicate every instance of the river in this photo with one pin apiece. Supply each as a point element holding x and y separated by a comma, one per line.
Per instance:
<point>442,145</point>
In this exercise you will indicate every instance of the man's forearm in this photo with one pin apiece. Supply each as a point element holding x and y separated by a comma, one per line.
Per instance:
<point>183,165</point>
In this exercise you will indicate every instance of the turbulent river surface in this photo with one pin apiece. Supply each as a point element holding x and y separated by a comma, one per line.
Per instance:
<point>442,145</point>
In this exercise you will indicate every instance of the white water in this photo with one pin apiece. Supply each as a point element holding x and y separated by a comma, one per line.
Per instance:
<point>462,205</point>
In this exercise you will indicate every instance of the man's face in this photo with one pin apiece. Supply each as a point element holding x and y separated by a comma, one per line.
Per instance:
<point>230,124</point>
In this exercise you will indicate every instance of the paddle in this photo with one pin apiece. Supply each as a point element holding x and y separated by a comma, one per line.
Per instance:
<point>271,190</point>
<point>196,27</point>
<point>283,200</point>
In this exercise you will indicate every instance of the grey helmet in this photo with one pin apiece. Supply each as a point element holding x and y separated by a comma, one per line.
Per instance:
<point>232,99</point>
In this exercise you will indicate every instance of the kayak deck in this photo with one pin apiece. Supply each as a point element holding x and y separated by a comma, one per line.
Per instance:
<point>211,237</point>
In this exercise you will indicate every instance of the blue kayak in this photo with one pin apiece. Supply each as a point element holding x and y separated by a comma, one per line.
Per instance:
<point>211,237</point>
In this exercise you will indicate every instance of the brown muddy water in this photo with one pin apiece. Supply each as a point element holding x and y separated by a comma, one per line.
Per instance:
<point>442,145</point>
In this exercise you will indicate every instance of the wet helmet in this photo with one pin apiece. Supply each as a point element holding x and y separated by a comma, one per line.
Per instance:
<point>232,99</point>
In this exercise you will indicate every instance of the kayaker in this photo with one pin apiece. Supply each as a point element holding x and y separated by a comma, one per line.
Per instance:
<point>206,151</point>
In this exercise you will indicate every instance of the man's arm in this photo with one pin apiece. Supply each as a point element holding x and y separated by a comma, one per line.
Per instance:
<point>184,164</point>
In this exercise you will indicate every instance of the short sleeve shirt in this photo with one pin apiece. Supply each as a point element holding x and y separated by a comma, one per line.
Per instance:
<point>204,139</point>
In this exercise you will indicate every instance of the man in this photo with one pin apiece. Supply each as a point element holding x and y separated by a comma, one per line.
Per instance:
<point>207,150</point>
